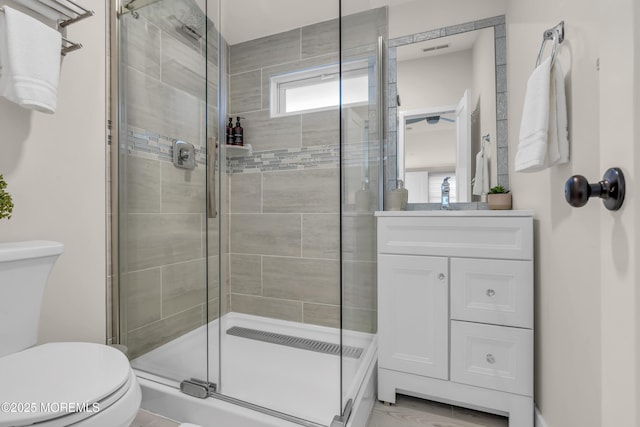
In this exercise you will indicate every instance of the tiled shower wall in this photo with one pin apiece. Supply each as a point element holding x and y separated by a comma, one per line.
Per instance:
<point>285,199</point>
<point>163,264</point>
<point>281,223</point>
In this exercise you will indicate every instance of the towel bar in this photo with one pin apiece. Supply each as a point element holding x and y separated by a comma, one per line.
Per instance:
<point>68,12</point>
<point>69,46</point>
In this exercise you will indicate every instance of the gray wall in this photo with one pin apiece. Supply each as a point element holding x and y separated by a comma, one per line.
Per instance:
<point>162,208</point>
<point>285,198</point>
<point>280,210</point>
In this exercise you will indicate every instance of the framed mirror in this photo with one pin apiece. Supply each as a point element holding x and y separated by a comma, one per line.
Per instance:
<point>448,88</point>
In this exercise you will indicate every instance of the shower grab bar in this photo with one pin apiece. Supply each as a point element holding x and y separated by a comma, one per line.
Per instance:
<point>63,10</point>
<point>555,34</point>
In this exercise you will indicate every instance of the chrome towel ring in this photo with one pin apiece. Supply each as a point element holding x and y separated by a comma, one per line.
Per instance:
<point>555,34</point>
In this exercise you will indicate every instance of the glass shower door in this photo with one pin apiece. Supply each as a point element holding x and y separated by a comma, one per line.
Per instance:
<point>168,287</point>
<point>280,335</point>
<point>363,35</point>
<point>250,265</point>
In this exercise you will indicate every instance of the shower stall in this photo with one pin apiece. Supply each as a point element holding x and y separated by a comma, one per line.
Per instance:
<point>244,264</point>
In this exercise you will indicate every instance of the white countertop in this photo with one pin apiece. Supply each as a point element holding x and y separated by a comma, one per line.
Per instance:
<point>455,213</point>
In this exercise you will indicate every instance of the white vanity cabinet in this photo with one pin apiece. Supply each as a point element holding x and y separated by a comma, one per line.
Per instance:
<point>455,309</point>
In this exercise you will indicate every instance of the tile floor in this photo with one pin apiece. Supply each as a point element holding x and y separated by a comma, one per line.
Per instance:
<point>407,412</point>
<point>147,419</point>
<point>410,411</point>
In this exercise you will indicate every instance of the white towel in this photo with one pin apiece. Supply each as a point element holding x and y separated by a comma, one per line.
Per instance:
<point>481,180</point>
<point>532,146</point>
<point>30,61</point>
<point>543,138</point>
<point>558,133</point>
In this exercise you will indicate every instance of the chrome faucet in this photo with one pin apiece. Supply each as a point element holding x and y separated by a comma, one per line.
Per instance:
<point>444,197</point>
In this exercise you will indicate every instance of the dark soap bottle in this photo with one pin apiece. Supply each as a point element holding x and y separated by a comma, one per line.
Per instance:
<point>238,133</point>
<point>230,131</point>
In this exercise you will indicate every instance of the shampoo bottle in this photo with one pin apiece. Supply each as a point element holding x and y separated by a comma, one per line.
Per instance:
<point>238,133</point>
<point>404,194</point>
<point>230,131</point>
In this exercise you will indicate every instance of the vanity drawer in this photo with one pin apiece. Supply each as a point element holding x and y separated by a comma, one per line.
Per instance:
<point>492,291</point>
<point>495,357</point>
<point>493,237</point>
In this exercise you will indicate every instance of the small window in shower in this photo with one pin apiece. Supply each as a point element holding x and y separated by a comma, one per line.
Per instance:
<point>318,89</point>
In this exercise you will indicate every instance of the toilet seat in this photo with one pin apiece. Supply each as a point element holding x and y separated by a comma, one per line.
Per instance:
<point>59,384</point>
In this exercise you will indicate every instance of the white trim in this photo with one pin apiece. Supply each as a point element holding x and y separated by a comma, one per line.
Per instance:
<point>463,147</point>
<point>539,421</point>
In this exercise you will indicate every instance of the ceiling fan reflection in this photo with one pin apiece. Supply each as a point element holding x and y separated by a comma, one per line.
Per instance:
<point>431,120</point>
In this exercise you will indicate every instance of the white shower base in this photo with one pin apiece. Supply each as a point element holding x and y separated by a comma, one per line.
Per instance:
<point>301,383</point>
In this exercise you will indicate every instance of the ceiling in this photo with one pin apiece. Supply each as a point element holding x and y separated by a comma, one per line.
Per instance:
<point>259,18</point>
<point>456,43</point>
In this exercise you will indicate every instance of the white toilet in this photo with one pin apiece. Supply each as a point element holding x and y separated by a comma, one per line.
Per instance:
<point>57,384</point>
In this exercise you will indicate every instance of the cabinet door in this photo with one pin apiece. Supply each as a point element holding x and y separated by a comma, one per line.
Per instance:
<point>413,314</point>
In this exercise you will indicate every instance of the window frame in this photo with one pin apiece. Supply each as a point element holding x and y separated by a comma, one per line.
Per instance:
<point>279,83</point>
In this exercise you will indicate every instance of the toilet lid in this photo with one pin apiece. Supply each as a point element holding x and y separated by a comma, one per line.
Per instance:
<point>58,379</point>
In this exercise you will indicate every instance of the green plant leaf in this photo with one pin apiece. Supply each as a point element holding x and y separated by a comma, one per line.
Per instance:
<point>498,189</point>
<point>6,203</point>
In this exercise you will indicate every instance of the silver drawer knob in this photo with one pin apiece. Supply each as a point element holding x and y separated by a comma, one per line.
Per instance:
<point>490,292</point>
<point>491,359</point>
<point>441,276</point>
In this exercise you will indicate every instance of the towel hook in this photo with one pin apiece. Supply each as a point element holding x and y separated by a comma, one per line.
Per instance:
<point>486,139</point>
<point>555,34</point>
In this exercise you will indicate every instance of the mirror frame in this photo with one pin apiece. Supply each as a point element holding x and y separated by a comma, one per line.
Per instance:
<point>500,60</point>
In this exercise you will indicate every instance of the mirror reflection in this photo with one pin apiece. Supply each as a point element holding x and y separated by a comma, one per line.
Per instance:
<point>436,140</point>
<point>447,102</point>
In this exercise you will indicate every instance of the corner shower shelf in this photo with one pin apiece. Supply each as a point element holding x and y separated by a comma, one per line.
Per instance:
<point>239,150</point>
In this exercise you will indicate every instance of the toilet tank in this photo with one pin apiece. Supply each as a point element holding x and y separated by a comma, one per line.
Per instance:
<point>24,270</point>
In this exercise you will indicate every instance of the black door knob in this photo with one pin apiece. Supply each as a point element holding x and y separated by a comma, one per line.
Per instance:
<point>611,189</point>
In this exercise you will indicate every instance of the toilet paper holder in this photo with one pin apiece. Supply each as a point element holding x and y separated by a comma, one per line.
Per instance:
<point>611,189</point>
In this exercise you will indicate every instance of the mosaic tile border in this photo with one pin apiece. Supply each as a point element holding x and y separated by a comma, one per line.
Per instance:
<point>316,157</point>
<point>158,147</point>
<point>325,156</point>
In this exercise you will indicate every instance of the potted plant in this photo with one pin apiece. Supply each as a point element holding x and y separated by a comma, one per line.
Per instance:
<point>6,204</point>
<point>499,198</point>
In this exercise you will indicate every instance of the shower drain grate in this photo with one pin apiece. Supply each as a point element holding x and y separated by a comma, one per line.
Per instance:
<point>296,342</point>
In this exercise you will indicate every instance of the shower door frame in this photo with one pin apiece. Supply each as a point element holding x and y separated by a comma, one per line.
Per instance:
<point>117,110</point>
<point>113,141</point>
